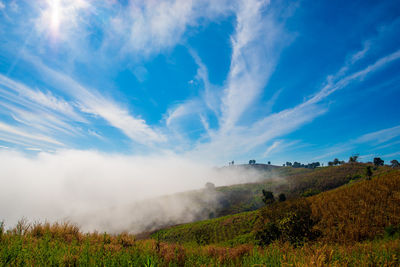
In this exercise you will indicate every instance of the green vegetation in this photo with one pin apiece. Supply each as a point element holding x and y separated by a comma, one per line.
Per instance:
<point>355,212</point>
<point>333,216</point>
<point>227,230</point>
<point>63,246</point>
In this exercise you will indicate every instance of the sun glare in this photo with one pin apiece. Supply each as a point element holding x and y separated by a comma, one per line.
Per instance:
<point>60,16</point>
<point>55,15</point>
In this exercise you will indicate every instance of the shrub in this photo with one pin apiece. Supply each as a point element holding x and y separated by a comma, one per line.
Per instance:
<point>268,197</point>
<point>1,230</point>
<point>368,172</point>
<point>289,221</point>
<point>268,234</point>
<point>282,197</point>
<point>310,192</point>
<point>392,231</point>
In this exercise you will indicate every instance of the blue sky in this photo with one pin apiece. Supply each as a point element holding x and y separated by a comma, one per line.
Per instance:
<point>209,80</point>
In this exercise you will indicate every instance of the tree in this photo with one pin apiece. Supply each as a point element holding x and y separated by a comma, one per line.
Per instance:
<point>313,165</point>
<point>353,158</point>
<point>296,164</point>
<point>281,197</point>
<point>378,162</point>
<point>288,164</point>
<point>336,162</point>
<point>269,162</point>
<point>268,197</point>
<point>368,172</point>
<point>330,163</point>
<point>252,161</point>
<point>395,164</point>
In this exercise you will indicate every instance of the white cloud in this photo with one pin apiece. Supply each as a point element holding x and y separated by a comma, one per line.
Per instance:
<point>380,136</point>
<point>181,110</point>
<point>391,155</point>
<point>27,97</point>
<point>2,5</point>
<point>19,133</point>
<point>388,145</point>
<point>211,94</point>
<point>149,27</point>
<point>233,139</point>
<point>91,101</point>
<point>253,59</point>
<point>59,19</point>
<point>271,148</point>
<point>361,54</point>
<point>336,83</point>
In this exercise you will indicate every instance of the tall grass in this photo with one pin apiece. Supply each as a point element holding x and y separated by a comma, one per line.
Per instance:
<point>65,245</point>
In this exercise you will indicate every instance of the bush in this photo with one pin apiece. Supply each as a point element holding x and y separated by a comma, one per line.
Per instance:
<point>289,221</point>
<point>310,192</point>
<point>392,231</point>
<point>268,234</point>
<point>1,230</point>
<point>268,197</point>
<point>282,197</point>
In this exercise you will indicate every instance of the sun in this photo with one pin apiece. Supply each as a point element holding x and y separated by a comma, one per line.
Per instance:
<point>58,17</point>
<point>55,16</point>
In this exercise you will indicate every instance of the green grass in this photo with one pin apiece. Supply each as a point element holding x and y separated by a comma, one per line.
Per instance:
<point>242,228</point>
<point>103,250</point>
<point>228,230</point>
<point>231,240</point>
<point>293,182</point>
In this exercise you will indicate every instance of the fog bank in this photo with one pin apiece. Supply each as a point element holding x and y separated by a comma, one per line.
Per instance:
<point>109,192</point>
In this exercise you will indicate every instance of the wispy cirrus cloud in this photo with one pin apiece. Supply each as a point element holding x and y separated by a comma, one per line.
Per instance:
<point>153,26</point>
<point>372,139</point>
<point>380,136</point>
<point>233,138</point>
<point>21,134</point>
<point>35,118</point>
<point>90,101</point>
<point>21,94</point>
<point>255,48</point>
<point>136,29</point>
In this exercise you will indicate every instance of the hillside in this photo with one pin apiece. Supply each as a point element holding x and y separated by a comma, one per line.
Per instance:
<point>358,210</point>
<point>355,224</point>
<point>215,202</point>
<point>293,182</point>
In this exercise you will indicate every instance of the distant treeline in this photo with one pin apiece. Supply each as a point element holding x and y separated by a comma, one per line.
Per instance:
<point>300,165</point>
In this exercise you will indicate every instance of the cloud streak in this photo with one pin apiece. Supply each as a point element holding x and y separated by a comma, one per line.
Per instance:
<point>90,101</point>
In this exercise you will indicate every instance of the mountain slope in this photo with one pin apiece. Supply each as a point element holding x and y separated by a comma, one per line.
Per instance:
<point>353,212</point>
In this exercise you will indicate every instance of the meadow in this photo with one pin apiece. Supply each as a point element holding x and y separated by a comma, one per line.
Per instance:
<point>355,224</point>
<point>64,245</point>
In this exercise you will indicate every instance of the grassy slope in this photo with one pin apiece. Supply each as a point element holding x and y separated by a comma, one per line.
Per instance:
<point>371,204</point>
<point>213,231</point>
<point>288,180</point>
<point>356,211</point>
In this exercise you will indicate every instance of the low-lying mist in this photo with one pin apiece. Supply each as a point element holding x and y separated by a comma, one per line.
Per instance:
<point>111,193</point>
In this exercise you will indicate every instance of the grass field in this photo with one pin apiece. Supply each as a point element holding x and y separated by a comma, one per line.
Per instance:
<point>355,224</point>
<point>64,245</point>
